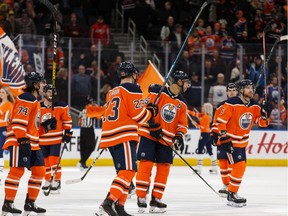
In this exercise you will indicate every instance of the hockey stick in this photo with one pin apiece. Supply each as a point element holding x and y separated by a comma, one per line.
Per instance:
<point>73,181</point>
<point>182,47</point>
<point>46,193</point>
<point>56,14</point>
<point>191,168</point>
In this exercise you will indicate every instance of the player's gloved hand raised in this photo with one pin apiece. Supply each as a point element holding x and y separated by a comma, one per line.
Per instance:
<point>226,144</point>
<point>266,109</point>
<point>67,136</point>
<point>153,108</point>
<point>214,138</point>
<point>155,130</point>
<point>24,150</point>
<point>49,124</point>
<point>178,142</point>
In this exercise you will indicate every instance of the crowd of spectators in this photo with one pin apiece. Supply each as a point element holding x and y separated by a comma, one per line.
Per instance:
<point>221,28</point>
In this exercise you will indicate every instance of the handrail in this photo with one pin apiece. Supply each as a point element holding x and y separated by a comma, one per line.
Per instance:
<point>131,29</point>
<point>121,15</point>
<point>143,48</point>
<point>156,61</point>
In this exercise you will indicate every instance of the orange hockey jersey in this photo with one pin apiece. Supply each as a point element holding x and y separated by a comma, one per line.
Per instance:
<point>124,113</point>
<point>64,122</point>
<point>172,115</point>
<point>25,121</point>
<point>237,119</point>
<point>5,113</point>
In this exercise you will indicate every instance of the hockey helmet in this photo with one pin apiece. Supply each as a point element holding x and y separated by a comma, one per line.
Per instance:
<point>49,87</point>
<point>179,75</point>
<point>126,69</point>
<point>245,82</point>
<point>231,86</point>
<point>33,77</point>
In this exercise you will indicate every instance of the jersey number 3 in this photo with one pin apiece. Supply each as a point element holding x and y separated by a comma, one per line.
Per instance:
<point>114,104</point>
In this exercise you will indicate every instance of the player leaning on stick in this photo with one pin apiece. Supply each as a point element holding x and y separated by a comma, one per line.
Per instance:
<point>169,126</point>
<point>225,168</point>
<point>121,119</point>
<point>23,144</point>
<point>235,120</point>
<point>50,142</point>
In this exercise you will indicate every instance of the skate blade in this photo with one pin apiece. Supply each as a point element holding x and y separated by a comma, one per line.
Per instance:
<point>8,213</point>
<point>213,172</point>
<point>157,210</point>
<point>55,192</point>
<point>224,195</point>
<point>237,205</point>
<point>101,212</point>
<point>141,210</point>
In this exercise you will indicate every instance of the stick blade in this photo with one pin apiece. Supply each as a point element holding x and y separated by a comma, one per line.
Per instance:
<point>73,181</point>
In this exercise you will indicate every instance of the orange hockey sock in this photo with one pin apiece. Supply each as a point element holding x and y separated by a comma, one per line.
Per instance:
<point>12,182</point>
<point>160,180</point>
<point>236,176</point>
<point>35,181</point>
<point>143,178</point>
<point>53,163</point>
<point>224,171</point>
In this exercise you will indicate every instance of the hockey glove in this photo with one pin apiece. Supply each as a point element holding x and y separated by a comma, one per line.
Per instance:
<point>67,136</point>
<point>214,138</point>
<point>24,151</point>
<point>49,124</point>
<point>153,108</point>
<point>155,130</point>
<point>178,142</point>
<point>266,109</point>
<point>226,144</point>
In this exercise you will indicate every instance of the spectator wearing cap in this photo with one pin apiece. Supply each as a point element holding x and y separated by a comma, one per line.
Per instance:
<point>217,92</point>
<point>100,31</point>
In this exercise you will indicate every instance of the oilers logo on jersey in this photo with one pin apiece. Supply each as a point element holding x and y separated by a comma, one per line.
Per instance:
<point>245,120</point>
<point>168,112</point>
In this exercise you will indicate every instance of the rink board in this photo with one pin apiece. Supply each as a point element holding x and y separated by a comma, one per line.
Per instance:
<point>266,148</point>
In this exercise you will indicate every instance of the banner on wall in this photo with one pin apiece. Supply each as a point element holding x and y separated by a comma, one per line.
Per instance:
<point>263,145</point>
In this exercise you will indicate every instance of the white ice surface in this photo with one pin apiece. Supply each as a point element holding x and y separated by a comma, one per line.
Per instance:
<point>186,194</point>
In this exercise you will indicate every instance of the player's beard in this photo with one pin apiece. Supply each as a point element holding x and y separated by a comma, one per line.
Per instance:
<point>248,95</point>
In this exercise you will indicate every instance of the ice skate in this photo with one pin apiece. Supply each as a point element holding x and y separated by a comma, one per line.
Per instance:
<point>213,169</point>
<point>107,208</point>
<point>82,166</point>
<point>142,205</point>
<point>132,190</point>
<point>120,210</point>
<point>30,206</point>
<point>223,192</point>
<point>9,208</point>
<point>46,185</point>
<point>55,187</point>
<point>157,206</point>
<point>235,200</point>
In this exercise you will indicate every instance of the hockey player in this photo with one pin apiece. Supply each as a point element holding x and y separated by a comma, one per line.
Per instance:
<point>6,105</point>
<point>225,168</point>
<point>23,143</point>
<point>205,117</point>
<point>235,120</point>
<point>168,127</point>
<point>50,142</point>
<point>124,113</point>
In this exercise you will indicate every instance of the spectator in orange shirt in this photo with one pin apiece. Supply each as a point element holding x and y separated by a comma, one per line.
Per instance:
<point>205,117</point>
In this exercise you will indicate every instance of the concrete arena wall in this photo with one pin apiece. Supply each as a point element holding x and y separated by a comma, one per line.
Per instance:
<point>266,148</point>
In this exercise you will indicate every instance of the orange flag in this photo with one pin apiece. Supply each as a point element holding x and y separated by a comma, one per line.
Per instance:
<point>150,76</point>
<point>11,69</point>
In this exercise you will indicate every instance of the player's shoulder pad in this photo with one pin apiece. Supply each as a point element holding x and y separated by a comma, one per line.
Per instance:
<point>154,88</point>
<point>60,104</point>
<point>131,87</point>
<point>234,100</point>
<point>27,96</point>
<point>220,104</point>
<point>253,102</point>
